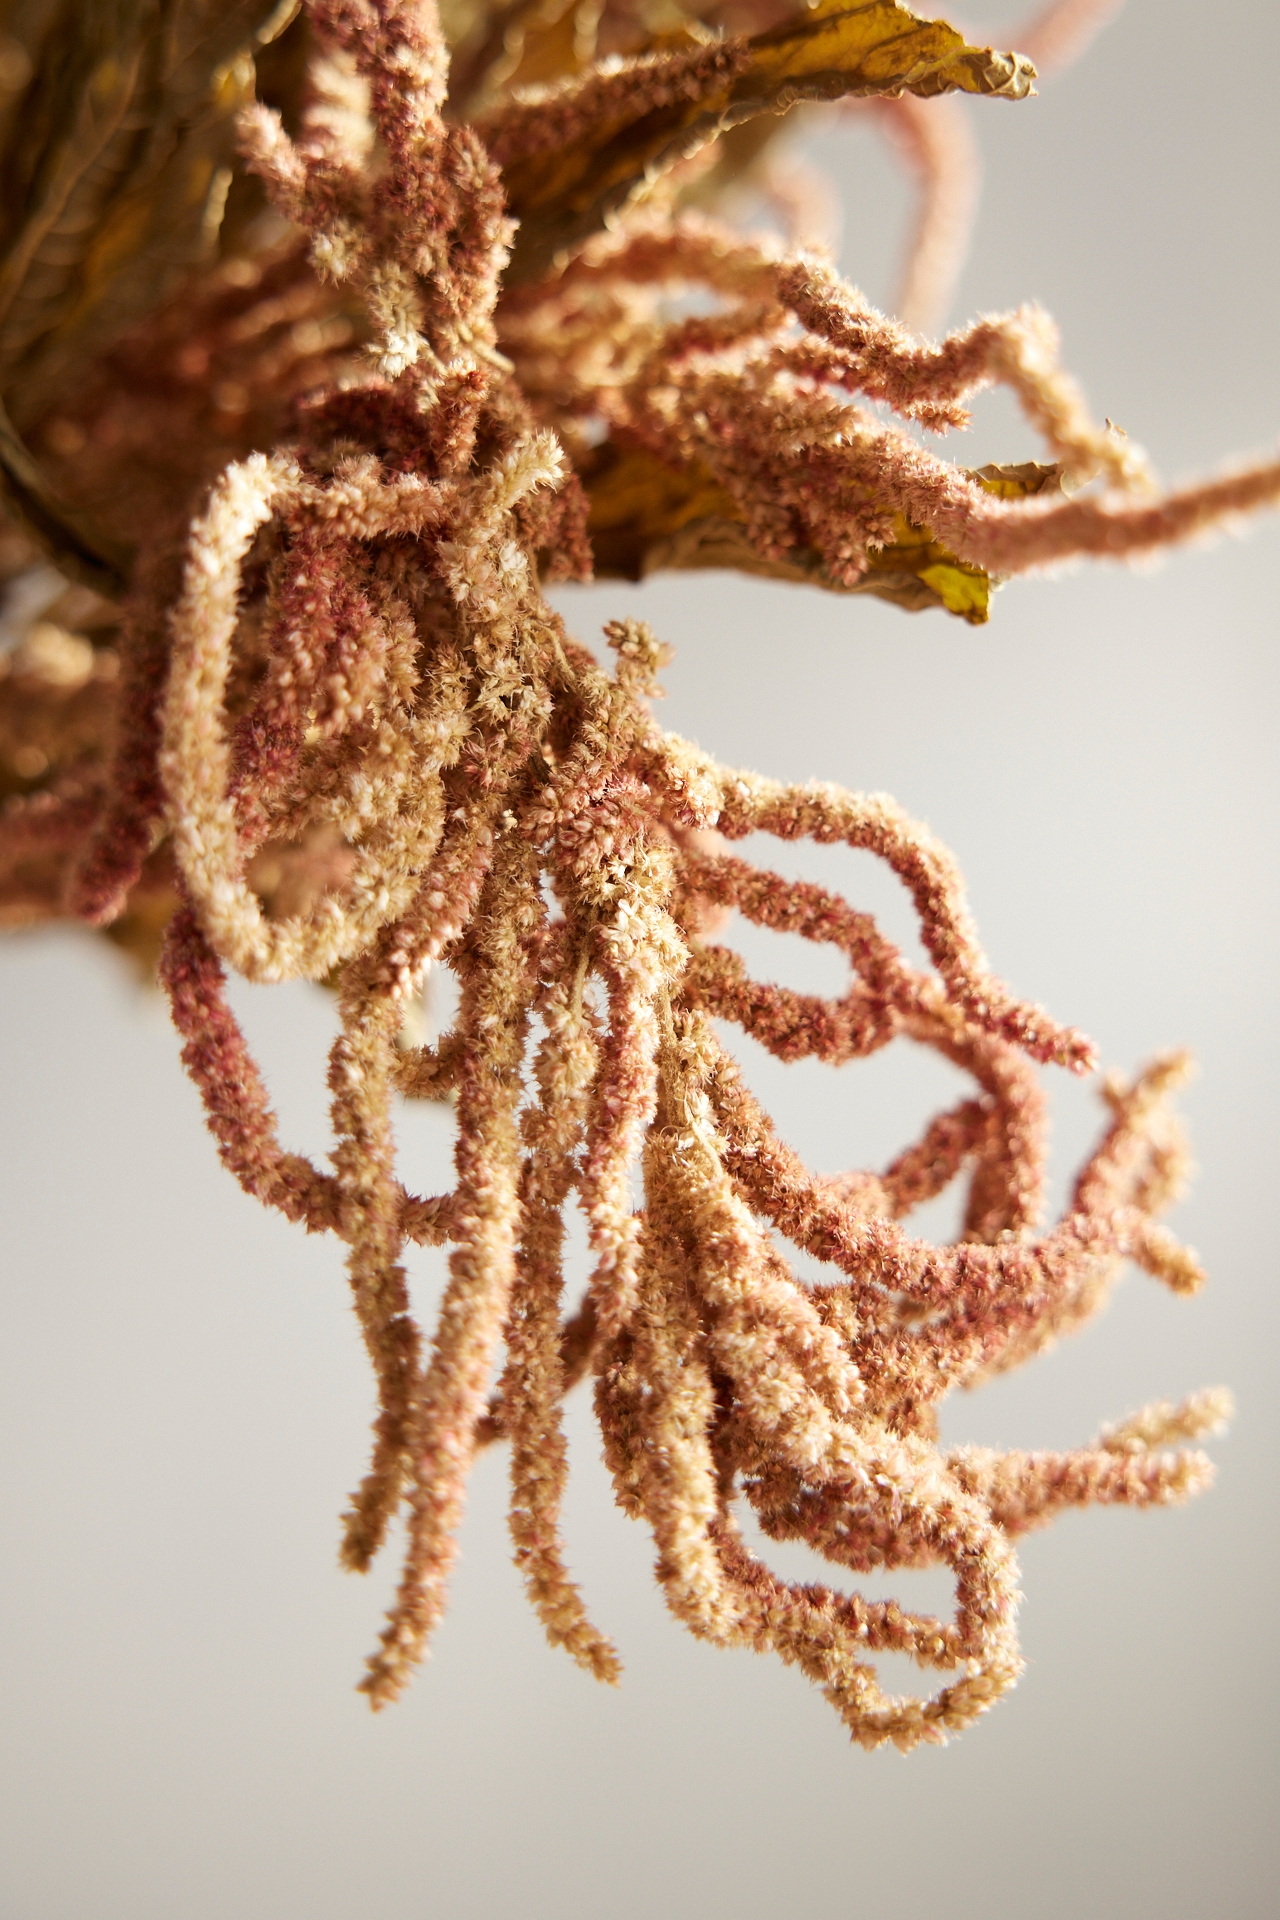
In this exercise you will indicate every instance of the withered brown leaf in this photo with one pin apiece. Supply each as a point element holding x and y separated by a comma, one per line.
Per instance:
<point>573,156</point>
<point>116,138</point>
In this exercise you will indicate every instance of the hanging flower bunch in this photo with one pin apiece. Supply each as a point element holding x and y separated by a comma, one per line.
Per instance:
<point>296,706</point>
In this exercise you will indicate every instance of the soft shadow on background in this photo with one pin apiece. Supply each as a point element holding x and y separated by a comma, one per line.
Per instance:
<point>183,1400</point>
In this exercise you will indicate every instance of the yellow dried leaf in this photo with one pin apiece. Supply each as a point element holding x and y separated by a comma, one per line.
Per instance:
<point>646,516</point>
<point>834,49</point>
<point>574,157</point>
<point>530,44</point>
<point>637,502</point>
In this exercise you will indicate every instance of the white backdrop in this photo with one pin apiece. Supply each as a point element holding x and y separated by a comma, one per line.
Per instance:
<point>183,1402</point>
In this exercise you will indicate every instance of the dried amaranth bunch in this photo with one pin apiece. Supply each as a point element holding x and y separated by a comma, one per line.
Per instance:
<point>326,341</point>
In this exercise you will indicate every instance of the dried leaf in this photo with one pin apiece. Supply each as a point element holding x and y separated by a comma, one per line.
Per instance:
<point>116,136</point>
<point>530,44</point>
<point>572,157</point>
<point>81,549</point>
<point>114,168</point>
<point>833,49</point>
<point>647,516</point>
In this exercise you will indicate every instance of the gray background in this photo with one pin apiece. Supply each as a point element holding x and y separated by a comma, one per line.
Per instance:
<point>183,1403</point>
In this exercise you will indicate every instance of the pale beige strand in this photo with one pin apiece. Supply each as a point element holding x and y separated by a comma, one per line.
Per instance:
<point>533,1383</point>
